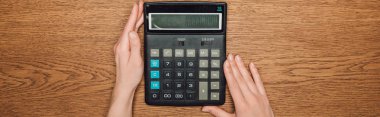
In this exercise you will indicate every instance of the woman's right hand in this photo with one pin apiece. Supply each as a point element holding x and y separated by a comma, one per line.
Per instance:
<point>247,91</point>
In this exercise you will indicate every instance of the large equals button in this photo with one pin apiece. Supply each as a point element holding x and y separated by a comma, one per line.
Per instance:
<point>203,91</point>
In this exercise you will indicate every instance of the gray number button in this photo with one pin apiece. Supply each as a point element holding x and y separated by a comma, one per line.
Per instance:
<point>179,53</point>
<point>215,63</point>
<point>203,53</point>
<point>203,74</point>
<point>190,53</point>
<point>203,63</point>
<point>214,96</point>
<point>154,52</point>
<point>215,53</point>
<point>214,85</point>
<point>214,74</point>
<point>168,53</point>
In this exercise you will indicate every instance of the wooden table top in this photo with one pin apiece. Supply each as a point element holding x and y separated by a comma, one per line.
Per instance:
<point>316,58</point>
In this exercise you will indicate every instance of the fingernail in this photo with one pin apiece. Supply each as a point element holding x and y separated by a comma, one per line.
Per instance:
<point>226,63</point>
<point>238,58</point>
<point>252,65</point>
<point>230,57</point>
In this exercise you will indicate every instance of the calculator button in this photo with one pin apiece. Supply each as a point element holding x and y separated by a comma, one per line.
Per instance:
<point>203,63</point>
<point>154,63</point>
<point>215,63</point>
<point>215,53</point>
<point>191,64</point>
<point>168,64</point>
<point>154,95</point>
<point>167,74</point>
<point>214,96</point>
<point>214,85</point>
<point>178,96</point>
<point>190,85</point>
<point>203,74</point>
<point>203,91</point>
<point>167,96</point>
<point>190,74</point>
<point>190,96</point>
<point>179,53</point>
<point>190,53</point>
<point>154,74</point>
<point>154,52</point>
<point>168,53</point>
<point>203,53</point>
<point>179,74</point>
<point>179,85</point>
<point>167,85</point>
<point>154,85</point>
<point>179,63</point>
<point>214,74</point>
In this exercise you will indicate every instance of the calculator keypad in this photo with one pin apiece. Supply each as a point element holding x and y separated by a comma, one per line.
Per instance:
<point>189,74</point>
<point>182,75</point>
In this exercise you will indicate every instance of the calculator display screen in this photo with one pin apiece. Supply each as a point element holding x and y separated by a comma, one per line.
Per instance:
<point>185,21</point>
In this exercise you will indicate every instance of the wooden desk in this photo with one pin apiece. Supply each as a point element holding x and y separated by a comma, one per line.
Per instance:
<point>316,58</point>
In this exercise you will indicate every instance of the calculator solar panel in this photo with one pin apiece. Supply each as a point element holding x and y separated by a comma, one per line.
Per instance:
<point>185,47</point>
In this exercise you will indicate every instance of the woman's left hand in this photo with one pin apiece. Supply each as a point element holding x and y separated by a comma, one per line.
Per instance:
<point>129,65</point>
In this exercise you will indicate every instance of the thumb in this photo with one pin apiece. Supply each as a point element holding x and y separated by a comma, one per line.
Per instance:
<point>135,44</point>
<point>216,111</point>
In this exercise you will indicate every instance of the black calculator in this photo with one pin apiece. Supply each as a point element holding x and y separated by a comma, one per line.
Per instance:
<point>185,47</point>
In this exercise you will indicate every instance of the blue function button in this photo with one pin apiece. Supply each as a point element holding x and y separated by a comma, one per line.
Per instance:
<point>154,63</point>
<point>154,74</point>
<point>155,85</point>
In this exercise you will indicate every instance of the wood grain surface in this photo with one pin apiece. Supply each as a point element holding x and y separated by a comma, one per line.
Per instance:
<point>316,57</point>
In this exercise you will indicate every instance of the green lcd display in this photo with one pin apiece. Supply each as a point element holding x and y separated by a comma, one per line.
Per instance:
<point>185,21</point>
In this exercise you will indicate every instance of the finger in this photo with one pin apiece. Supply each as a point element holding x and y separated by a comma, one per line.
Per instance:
<point>236,93</point>
<point>132,19</point>
<point>245,73</point>
<point>217,112</point>
<point>140,18</point>
<point>239,79</point>
<point>139,23</point>
<point>141,9</point>
<point>135,44</point>
<point>256,77</point>
<point>123,42</point>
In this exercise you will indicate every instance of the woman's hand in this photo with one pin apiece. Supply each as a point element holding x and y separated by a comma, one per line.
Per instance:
<point>247,91</point>
<point>129,65</point>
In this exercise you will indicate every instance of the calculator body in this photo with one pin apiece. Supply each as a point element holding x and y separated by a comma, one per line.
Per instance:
<point>185,48</point>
